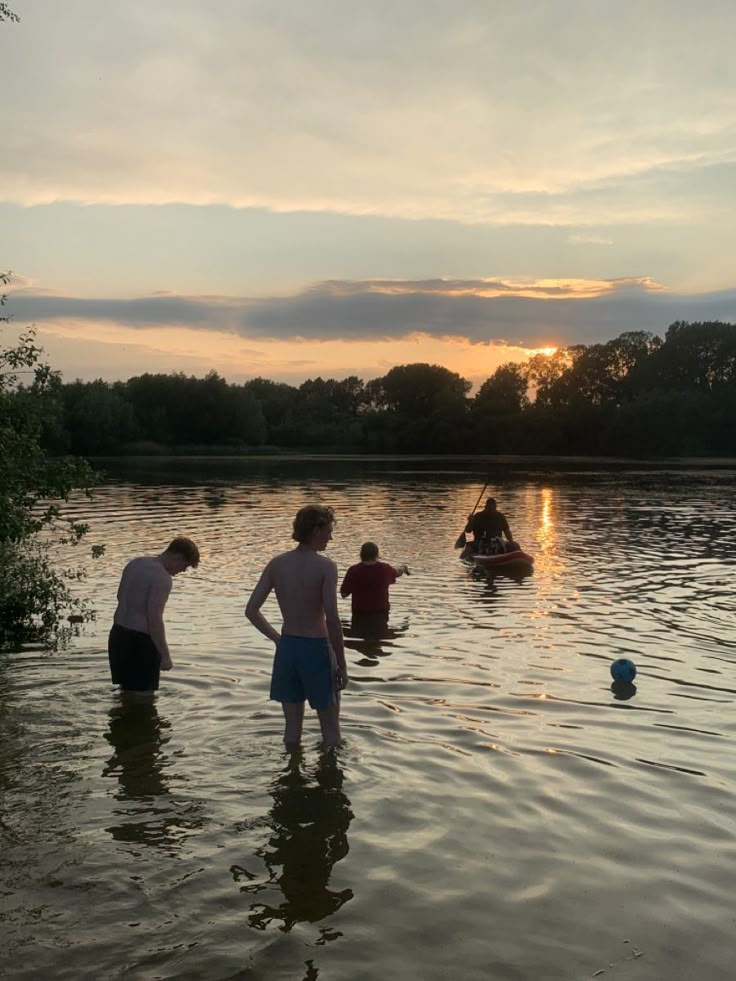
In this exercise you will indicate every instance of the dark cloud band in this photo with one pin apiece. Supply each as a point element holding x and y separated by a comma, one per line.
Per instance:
<point>371,310</point>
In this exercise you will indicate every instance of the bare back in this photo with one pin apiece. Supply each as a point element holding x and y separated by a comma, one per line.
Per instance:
<point>302,580</point>
<point>305,583</point>
<point>144,588</point>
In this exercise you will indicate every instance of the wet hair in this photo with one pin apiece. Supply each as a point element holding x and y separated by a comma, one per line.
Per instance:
<point>490,500</point>
<point>308,519</point>
<point>186,548</point>
<point>368,552</point>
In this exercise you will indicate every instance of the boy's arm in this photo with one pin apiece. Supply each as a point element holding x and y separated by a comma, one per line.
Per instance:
<point>257,599</point>
<point>158,593</point>
<point>346,588</point>
<point>334,627</point>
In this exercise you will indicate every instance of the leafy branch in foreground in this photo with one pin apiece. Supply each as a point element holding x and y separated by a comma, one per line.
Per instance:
<point>7,14</point>
<point>34,594</point>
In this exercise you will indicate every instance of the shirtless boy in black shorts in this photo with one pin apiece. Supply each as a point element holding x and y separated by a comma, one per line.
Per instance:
<point>137,647</point>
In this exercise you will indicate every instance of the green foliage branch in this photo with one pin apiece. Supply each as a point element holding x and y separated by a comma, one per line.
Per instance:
<point>36,601</point>
<point>7,14</point>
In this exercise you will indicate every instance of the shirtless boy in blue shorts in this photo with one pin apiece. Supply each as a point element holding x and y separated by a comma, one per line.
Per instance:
<point>309,663</point>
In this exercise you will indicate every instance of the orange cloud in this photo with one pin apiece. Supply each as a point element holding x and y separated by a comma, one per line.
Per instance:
<point>162,349</point>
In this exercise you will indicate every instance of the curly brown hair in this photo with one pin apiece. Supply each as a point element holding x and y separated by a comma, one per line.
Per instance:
<point>308,519</point>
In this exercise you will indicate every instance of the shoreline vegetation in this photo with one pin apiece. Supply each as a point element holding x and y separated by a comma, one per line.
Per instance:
<point>37,603</point>
<point>224,454</point>
<point>636,396</point>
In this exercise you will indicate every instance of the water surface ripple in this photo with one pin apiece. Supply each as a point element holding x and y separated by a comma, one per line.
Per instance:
<point>497,811</point>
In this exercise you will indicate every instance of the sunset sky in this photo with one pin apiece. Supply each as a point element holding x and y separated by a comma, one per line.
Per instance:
<point>292,189</point>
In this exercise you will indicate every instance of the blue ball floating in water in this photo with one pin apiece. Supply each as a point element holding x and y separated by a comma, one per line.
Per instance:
<point>623,670</point>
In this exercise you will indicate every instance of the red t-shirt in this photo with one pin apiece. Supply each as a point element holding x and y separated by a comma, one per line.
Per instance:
<point>368,583</point>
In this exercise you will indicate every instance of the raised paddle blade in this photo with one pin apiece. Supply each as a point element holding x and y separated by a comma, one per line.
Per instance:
<point>461,540</point>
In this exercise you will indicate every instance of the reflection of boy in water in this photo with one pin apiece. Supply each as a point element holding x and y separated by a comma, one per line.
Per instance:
<point>372,636</point>
<point>135,733</point>
<point>136,736</point>
<point>309,819</point>
<point>145,812</point>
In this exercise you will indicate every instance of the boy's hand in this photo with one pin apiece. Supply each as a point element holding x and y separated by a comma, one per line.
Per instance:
<point>341,678</point>
<point>166,664</point>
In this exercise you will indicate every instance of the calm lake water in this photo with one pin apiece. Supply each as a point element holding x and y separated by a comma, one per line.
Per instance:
<point>496,812</point>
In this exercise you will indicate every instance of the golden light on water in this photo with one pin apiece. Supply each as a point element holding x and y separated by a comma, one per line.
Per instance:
<point>546,529</point>
<point>547,558</point>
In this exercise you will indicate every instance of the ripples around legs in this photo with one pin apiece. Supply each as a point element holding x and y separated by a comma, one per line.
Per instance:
<point>498,810</point>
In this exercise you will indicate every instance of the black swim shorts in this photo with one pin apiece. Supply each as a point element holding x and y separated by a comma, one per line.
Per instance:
<point>135,662</point>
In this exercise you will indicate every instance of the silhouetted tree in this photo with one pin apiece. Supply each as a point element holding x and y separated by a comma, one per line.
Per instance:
<point>425,405</point>
<point>497,409</point>
<point>416,389</point>
<point>633,394</point>
<point>506,391</point>
<point>98,417</point>
<point>695,355</point>
<point>544,370</point>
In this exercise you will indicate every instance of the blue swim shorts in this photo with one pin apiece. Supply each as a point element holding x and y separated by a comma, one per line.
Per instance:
<point>304,668</point>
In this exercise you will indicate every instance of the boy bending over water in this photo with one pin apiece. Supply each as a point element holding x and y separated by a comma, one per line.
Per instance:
<point>309,663</point>
<point>137,648</point>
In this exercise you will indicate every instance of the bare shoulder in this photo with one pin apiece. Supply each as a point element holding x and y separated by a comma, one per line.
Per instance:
<point>279,566</point>
<point>283,560</point>
<point>327,565</point>
<point>146,567</point>
<point>301,556</point>
<point>137,563</point>
<point>159,575</point>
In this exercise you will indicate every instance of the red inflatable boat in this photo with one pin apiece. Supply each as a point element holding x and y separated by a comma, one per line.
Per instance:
<point>516,561</point>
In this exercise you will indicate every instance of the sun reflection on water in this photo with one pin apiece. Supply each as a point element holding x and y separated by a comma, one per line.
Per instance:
<point>546,529</point>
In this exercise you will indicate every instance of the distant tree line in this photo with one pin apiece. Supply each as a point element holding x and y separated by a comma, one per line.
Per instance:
<point>638,394</point>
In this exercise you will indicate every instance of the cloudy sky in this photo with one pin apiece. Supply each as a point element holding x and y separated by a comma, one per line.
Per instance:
<point>292,189</point>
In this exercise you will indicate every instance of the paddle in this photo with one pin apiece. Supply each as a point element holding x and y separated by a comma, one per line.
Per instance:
<point>461,539</point>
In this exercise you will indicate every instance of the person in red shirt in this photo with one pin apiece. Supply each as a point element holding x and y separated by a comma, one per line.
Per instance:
<point>367,581</point>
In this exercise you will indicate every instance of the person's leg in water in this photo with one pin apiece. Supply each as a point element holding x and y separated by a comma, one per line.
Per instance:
<point>329,721</point>
<point>136,695</point>
<point>294,719</point>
